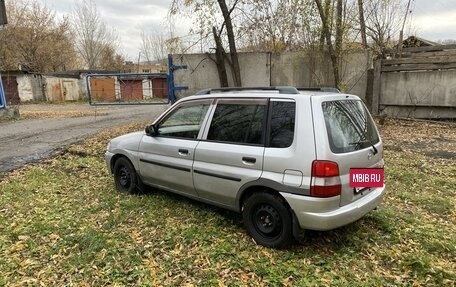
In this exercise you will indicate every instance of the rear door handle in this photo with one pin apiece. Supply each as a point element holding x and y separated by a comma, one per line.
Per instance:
<point>247,159</point>
<point>183,151</point>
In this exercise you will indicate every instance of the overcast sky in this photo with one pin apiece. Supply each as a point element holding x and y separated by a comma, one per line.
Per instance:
<point>431,19</point>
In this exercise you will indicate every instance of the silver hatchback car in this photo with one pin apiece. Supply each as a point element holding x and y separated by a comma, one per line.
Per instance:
<point>279,155</point>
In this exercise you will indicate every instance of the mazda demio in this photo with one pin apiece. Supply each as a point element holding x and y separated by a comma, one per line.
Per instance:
<point>281,156</point>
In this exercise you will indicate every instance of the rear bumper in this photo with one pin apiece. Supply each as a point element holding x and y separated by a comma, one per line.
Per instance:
<point>307,208</point>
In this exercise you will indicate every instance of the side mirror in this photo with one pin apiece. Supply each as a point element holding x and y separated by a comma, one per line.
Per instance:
<point>147,130</point>
<point>151,130</point>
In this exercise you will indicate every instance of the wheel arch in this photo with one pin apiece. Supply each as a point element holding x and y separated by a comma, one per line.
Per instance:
<point>116,156</point>
<point>258,186</point>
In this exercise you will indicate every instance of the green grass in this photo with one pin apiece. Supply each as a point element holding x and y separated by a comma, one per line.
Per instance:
<point>63,224</point>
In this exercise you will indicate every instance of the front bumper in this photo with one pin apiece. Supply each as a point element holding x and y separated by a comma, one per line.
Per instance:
<point>108,157</point>
<point>307,208</point>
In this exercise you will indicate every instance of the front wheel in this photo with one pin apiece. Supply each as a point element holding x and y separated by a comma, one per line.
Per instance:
<point>125,176</point>
<point>268,220</point>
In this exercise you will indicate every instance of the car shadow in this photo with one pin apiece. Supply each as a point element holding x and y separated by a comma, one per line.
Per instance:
<point>232,216</point>
<point>353,236</point>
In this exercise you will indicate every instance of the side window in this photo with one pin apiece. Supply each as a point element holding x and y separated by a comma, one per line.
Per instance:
<point>282,124</point>
<point>238,123</point>
<point>184,122</point>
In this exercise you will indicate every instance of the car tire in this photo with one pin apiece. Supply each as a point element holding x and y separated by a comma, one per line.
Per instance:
<point>268,220</point>
<point>125,176</point>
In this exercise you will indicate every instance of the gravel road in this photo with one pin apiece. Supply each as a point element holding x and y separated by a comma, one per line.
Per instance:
<point>29,140</point>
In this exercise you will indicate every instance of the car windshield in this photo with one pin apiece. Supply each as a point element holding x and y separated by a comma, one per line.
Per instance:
<point>349,126</point>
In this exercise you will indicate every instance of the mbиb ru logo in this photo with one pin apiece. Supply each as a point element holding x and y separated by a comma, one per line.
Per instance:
<point>366,177</point>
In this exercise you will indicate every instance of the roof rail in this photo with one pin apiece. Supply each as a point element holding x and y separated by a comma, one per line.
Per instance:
<point>280,89</point>
<point>322,89</point>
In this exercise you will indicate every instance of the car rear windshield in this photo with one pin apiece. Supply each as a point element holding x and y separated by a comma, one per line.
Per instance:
<point>349,126</point>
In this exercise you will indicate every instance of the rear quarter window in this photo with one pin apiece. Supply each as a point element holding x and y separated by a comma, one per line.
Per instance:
<point>282,124</point>
<point>349,126</point>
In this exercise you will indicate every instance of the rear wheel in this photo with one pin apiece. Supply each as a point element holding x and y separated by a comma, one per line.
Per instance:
<point>125,176</point>
<point>268,220</point>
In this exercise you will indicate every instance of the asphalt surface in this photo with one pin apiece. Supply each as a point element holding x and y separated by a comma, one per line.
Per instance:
<point>25,141</point>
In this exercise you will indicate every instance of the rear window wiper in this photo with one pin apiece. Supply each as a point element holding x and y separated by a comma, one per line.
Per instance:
<point>363,142</point>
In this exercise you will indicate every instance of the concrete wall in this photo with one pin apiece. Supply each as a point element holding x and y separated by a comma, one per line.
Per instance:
<point>314,69</point>
<point>299,69</point>
<point>255,69</point>
<point>147,89</point>
<point>420,94</point>
<point>354,72</point>
<point>82,86</point>
<point>30,87</point>
<point>202,71</point>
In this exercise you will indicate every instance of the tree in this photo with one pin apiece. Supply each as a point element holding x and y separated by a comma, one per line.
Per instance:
<point>383,23</point>
<point>277,26</point>
<point>110,60</point>
<point>220,58</point>
<point>35,40</point>
<point>336,48</point>
<point>362,23</point>
<point>154,46</point>
<point>331,26</point>
<point>208,18</point>
<point>231,41</point>
<point>93,38</point>
<point>62,55</point>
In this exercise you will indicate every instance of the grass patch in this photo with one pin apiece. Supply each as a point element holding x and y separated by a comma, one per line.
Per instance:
<point>31,114</point>
<point>63,224</point>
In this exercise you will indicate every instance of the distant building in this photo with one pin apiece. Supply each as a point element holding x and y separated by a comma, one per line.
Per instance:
<point>414,41</point>
<point>144,67</point>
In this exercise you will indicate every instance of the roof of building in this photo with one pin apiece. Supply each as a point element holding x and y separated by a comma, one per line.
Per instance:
<point>415,41</point>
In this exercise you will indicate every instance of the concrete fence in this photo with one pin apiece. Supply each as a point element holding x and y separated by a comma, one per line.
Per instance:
<point>421,84</point>
<point>299,69</point>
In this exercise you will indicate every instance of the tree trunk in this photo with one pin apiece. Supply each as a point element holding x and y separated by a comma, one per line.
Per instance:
<point>236,70</point>
<point>335,55</point>
<point>339,38</point>
<point>339,29</point>
<point>220,59</point>
<point>326,11</point>
<point>362,23</point>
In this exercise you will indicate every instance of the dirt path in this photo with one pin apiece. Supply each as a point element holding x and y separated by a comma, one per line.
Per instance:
<point>50,127</point>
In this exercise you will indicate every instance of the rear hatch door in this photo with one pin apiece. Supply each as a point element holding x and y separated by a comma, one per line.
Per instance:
<point>346,134</point>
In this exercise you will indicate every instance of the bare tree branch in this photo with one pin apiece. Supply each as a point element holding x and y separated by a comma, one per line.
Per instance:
<point>92,35</point>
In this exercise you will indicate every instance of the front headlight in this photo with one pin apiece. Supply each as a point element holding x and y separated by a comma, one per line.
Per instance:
<point>108,146</point>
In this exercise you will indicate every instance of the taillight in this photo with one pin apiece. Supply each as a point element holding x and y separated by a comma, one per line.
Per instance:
<point>324,168</point>
<point>325,180</point>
